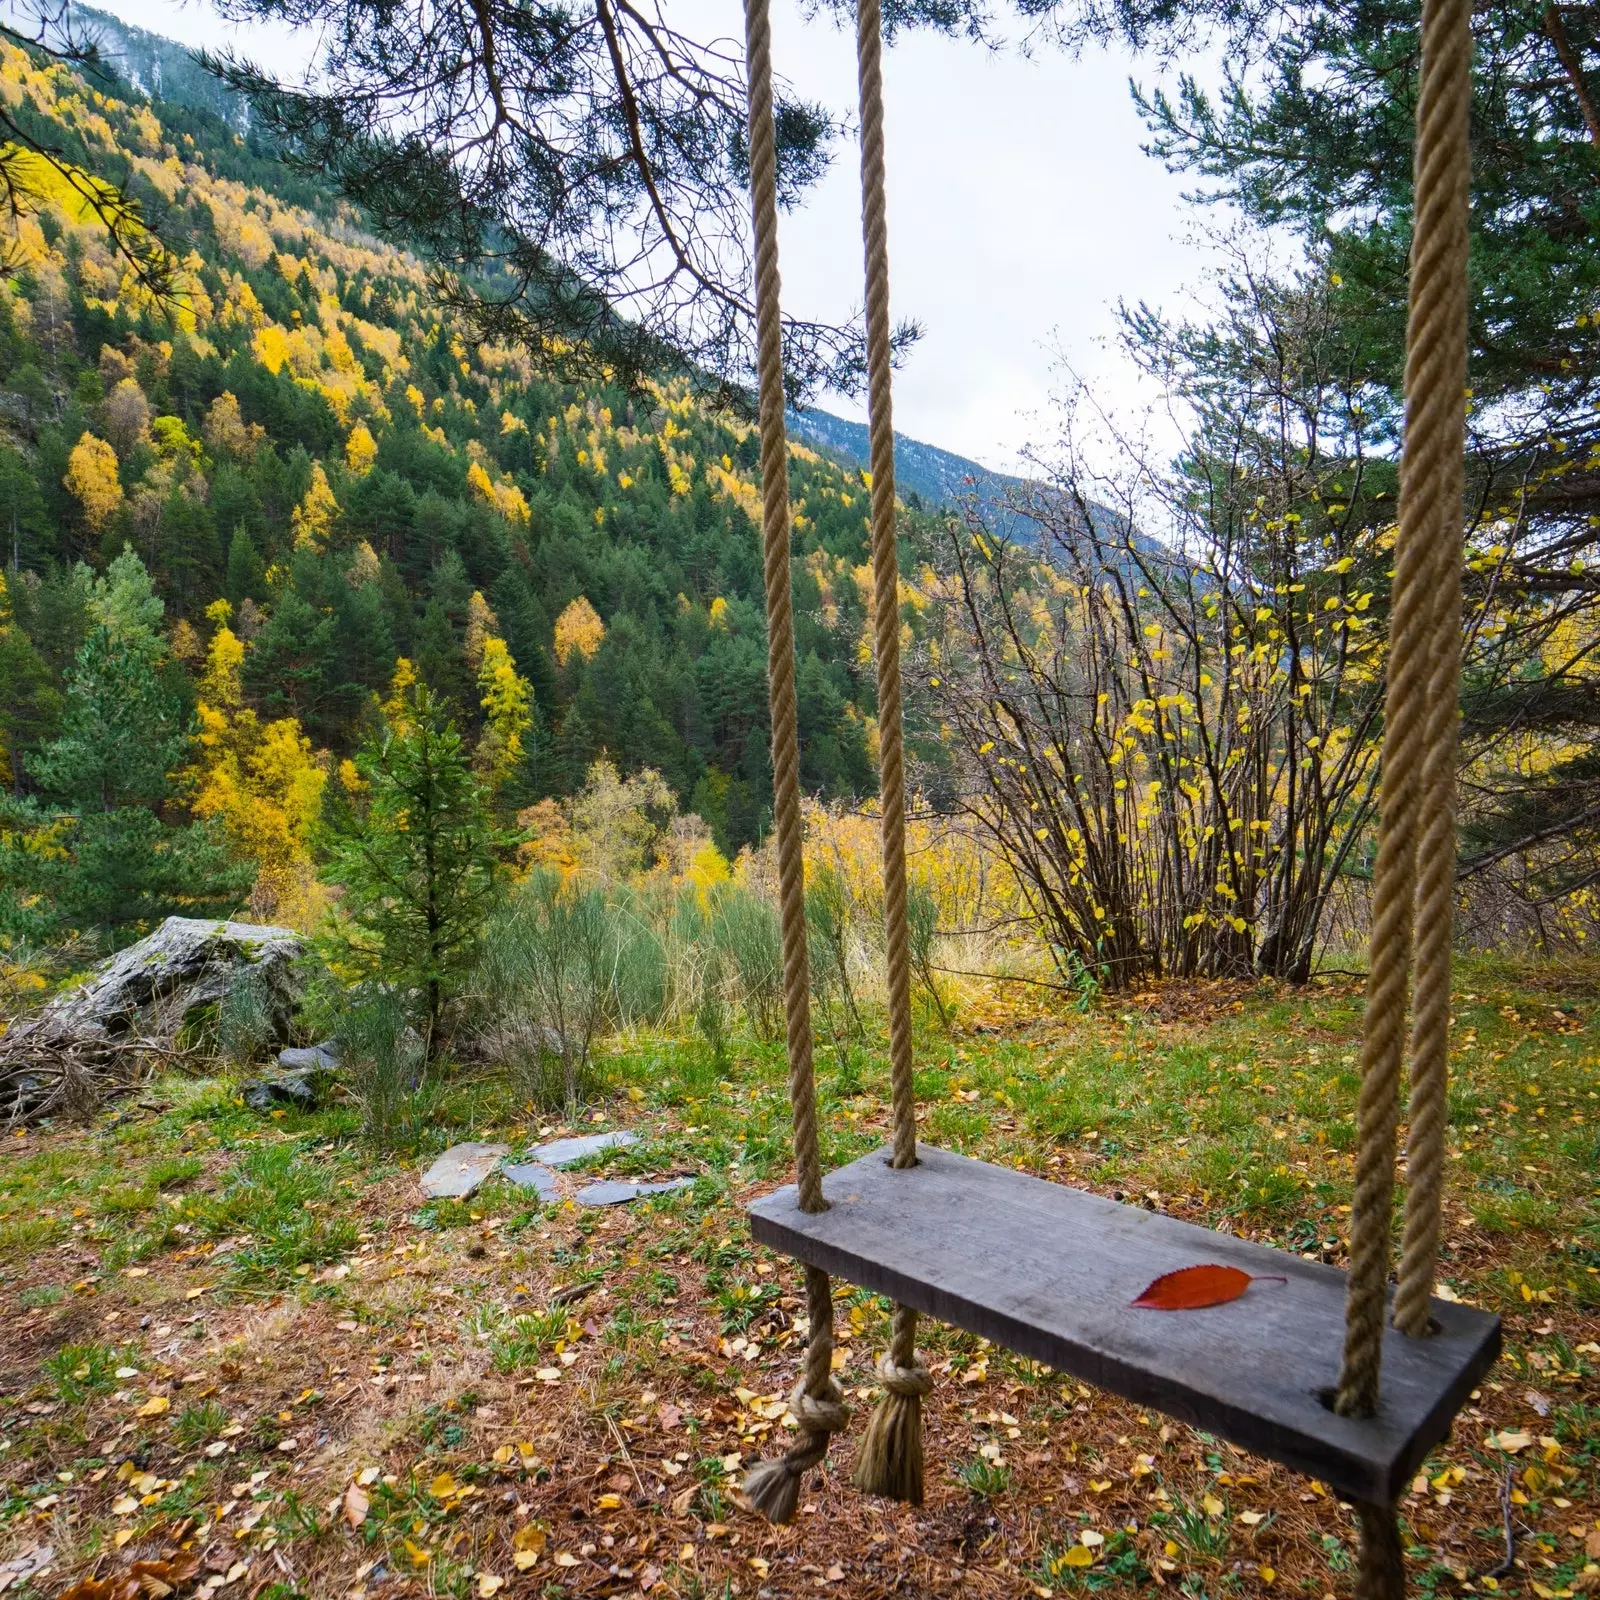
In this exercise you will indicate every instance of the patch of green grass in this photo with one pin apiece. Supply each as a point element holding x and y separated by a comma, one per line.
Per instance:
<point>526,1339</point>
<point>986,1479</point>
<point>47,1294</point>
<point>1199,1534</point>
<point>198,1423</point>
<point>24,1236</point>
<point>81,1370</point>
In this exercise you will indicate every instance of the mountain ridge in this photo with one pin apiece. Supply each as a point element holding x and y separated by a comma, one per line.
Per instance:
<point>165,69</point>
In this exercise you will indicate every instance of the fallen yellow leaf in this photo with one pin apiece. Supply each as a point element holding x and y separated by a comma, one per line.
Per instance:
<point>1080,1555</point>
<point>1268,1575</point>
<point>489,1583</point>
<point>155,1406</point>
<point>1213,1506</point>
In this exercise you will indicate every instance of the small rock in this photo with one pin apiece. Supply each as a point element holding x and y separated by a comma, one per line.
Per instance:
<point>461,1169</point>
<point>276,1091</point>
<point>615,1193</point>
<point>310,1058</point>
<point>568,1152</point>
<point>531,1175</point>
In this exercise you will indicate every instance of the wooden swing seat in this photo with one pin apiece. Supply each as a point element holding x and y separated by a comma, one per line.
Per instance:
<point>1048,1272</point>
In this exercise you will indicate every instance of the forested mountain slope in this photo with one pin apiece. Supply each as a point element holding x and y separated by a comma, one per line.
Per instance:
<point>306,440</point>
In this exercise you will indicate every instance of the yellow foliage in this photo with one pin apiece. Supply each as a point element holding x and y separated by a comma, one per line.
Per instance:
<point>708,868</point>
<point>396,708</point>
<point>312,520</point>
<point>505,496</point>
<point>505,698</point>
<point>92,477</point>
<point>578,630</point>
<point>260,780</point>
<point>482,625</point>
<point>271,347</point>
<point>360,449</point>
<point>225,430</point>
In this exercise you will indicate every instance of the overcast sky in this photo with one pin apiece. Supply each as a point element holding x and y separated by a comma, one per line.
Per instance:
<point>1021,207</point>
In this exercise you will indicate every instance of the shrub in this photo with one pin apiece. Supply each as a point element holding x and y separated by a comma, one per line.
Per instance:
<point>746,931</point>
<point>384,1061</point>
<point>547,979</point>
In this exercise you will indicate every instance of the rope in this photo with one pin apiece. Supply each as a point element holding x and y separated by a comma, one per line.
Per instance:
<point>773,1487</point>
<point>886,579</point>
<point>1436,832</point>
<point>1421,671</point>
<point>780,615</point>
<point>1381,1571</point>
<point>890,1462</point>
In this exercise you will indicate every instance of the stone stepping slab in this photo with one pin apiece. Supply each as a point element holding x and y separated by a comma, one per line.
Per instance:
<point>568,1152</point>
<point>532,1175</point>
<point>616,1193</point>
<point>462,1169</point>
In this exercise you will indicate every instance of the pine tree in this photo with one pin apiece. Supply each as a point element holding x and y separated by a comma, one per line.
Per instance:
<point>412,846</point>
<point>104,860</point>
<point>29,703</point>
<point>246,578</point>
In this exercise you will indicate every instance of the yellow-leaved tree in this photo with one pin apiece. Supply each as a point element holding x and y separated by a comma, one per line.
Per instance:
<point>482,625</point>
<point>312,520</point>
<point>507,714</point>
<point>92,477</point>
<point>578,630</point>
<point>360,449</point>
<point>260,780</point>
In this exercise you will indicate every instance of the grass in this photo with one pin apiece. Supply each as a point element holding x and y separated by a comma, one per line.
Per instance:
<point>585,1376</point>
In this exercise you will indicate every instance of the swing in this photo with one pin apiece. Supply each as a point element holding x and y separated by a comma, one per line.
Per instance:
<point>1291,1371</point>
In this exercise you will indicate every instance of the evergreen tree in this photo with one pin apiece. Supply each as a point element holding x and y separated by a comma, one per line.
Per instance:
<point>29,703</point>
<point>247,578</point>
<point>104,860</point>
<point>412,846</point>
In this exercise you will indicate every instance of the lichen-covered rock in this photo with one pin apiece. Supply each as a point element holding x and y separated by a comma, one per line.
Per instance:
<point>100,1034</point>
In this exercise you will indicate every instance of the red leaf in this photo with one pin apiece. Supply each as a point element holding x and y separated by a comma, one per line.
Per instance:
<point>1191,1288</point>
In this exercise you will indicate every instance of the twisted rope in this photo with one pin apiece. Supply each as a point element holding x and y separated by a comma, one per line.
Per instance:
<point>886,578</point>
<point>1381,1568</point>
<point>891,1453</point>
<point>1430,504</point>
<point>1436,824</point>
<point>780,614</point>
<point>773,1487</point>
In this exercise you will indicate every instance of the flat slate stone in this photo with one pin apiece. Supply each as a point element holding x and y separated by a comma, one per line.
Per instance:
<point>616,1193</point>
<point>274,1091</point>
<point>310,1058</point>
<point>568,1152</point>
<point>530,1175</point>
<point>1049,1271</point>
<point>461,1169</point>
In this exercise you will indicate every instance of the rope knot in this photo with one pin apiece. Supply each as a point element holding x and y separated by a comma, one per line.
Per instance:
<point>824,1413</point>
<point>905,1381</point>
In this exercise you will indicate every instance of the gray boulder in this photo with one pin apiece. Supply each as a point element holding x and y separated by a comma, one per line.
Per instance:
<point>322,1057</point>
<point>101,1035</point>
